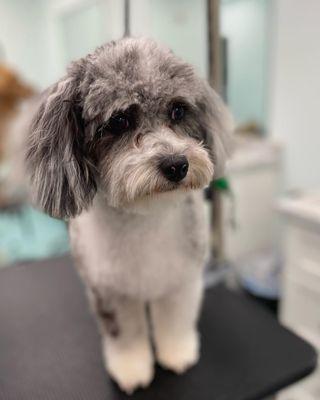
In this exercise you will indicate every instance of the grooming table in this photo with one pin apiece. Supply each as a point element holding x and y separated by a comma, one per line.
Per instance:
<point>50,348</point>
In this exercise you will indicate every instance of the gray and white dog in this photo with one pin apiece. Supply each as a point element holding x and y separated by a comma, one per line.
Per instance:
<point>121,147</point>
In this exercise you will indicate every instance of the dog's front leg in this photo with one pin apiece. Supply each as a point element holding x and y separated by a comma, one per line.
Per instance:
<point>174,320</point>
<point>125,341</point>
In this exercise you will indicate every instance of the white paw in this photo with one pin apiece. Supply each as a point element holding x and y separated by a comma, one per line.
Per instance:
<point>178,353</point>
<point>130,367</point>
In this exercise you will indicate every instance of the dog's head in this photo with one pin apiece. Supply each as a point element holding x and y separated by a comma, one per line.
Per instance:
<point>130,120</point>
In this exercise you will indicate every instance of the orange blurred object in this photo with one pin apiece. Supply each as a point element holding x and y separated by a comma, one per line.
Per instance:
<point>12,92</point>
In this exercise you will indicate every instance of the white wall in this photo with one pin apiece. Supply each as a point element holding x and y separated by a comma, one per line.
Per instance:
<point>179,24</point>
<point>295,93</point>
<point>38,38</point>
<point>78,26</point>
<point>23,38</point>
<point>245,25</point>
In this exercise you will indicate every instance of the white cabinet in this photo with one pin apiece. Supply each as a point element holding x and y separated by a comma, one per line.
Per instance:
<point>255,174</point>
<point>300,306</point>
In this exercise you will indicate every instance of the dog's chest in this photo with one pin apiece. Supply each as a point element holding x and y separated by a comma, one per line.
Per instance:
<point>143,256</point>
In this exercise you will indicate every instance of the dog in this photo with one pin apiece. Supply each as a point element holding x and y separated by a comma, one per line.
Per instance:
<point>121,147</point>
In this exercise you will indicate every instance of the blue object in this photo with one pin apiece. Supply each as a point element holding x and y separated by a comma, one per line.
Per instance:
<point>27,234</point>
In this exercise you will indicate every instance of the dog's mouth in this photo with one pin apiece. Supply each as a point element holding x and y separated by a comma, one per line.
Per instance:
<point>162,186</point>
<point>171,187</point>
<point>157,199</point>
<point>166,194</point>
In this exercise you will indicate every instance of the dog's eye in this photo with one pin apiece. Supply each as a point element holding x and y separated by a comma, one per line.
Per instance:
<point>119,123</point>
<point>177,112</point>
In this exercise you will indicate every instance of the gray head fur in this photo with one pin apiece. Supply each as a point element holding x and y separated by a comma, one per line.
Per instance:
<point>71,153</point>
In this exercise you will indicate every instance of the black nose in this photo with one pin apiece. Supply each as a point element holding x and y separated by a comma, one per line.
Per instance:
<point>174,168</point>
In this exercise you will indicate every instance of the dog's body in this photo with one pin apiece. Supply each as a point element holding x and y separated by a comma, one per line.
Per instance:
<point>143,256</point>
<point>121,147</point>
<point>129,261</point>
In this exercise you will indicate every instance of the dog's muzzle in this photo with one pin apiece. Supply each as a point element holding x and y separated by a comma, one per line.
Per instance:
<point>174,168</point>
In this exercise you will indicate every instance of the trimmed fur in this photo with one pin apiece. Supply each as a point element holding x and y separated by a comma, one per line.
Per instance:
<point>137,237</point>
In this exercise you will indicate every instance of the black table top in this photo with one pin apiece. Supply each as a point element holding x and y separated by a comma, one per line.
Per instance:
<point>50,348</point>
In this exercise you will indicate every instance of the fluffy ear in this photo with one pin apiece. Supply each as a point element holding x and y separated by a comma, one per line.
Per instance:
<point>220,127</point>
<point>62,176</point>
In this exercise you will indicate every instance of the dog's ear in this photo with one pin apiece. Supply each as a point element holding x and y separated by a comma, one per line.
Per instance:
<point>61,174</point>
<point>219,129</point>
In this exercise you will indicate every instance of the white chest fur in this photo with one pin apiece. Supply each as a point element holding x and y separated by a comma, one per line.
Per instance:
<point>139,255</point>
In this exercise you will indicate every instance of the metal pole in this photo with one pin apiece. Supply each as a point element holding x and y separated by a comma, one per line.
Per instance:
<point>126,18</point>
<point>217,247</point>
<point>214,43</point>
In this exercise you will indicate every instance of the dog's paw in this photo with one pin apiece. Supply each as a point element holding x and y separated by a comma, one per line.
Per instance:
<point>130,368</point>
<point>178,353</point>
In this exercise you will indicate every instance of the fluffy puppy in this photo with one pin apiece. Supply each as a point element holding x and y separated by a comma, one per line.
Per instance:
<point>121,147</point>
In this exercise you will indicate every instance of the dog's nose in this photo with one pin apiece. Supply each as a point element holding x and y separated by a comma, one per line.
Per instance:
<point>174,168</point>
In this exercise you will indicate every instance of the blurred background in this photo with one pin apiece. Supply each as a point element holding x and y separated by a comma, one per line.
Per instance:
<point>263,56</point>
